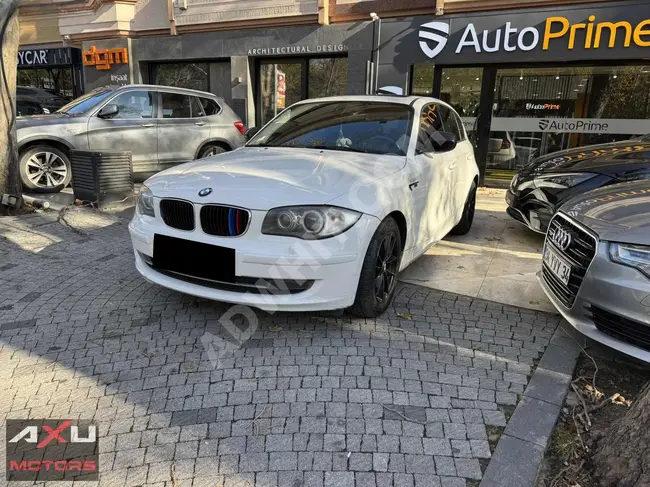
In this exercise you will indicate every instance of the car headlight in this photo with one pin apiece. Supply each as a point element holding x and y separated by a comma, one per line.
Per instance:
<point>562,181</point>
<point>637,256</point>
<point>309,222</point>
<point>144,204</point>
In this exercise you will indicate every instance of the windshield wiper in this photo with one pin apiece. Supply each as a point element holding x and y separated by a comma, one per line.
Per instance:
<point>327,147</point>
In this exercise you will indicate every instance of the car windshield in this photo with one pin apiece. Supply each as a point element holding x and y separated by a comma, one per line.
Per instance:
<point>355,126</point>
<point>86,102</point>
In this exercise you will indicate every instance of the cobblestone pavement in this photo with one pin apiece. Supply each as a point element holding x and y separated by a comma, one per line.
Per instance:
<point>311,400</point>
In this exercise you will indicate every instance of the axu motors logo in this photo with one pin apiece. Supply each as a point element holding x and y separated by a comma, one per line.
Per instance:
<point>52,449</point>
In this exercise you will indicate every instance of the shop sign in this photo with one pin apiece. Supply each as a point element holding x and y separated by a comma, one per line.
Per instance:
<point>103,59</point>
<point>265,51</point>
<point>45,57</point>
<point>565,125</point>
<point>434,36</point>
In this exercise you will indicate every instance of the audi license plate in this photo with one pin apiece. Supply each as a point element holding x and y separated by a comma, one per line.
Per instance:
<point>557,265</point>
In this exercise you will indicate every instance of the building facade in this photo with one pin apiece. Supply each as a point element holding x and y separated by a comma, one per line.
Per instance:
<point>550,75</point>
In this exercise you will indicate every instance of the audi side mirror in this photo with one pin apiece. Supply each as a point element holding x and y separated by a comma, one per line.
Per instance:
<point>109,111</point>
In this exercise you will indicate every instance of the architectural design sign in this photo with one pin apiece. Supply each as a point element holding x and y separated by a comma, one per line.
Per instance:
<point>103,59</point>
<point>265,51</point>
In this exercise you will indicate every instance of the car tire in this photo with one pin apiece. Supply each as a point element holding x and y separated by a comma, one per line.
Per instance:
<point>211,150</point>
<point>379,260</point>
<point>52,164</point>
<point>465,223</point>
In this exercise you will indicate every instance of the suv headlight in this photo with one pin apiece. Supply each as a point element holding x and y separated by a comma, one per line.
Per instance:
<point>637,256</point>
<point>562,181</point>
<point>144,204</point>
<point>309,222</point>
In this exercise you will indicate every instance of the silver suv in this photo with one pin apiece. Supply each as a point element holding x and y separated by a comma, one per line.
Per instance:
<point>160,125</point>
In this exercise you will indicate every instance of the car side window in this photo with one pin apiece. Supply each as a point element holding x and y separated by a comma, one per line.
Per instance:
<point>459,122</point>
<point>175,105</point>
<point>449,121</point>
<point>196,107</point>
<point>210,107</point>
<point>133,105</point>
<point>430,124</point>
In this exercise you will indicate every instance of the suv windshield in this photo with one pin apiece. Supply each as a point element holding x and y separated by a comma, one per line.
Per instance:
<point>357,126</point>
<point>86,102</point>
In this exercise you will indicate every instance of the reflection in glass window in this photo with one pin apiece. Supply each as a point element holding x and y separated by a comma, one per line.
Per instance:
<point>50,87</point>
<point>422,79</point>
<point>133,104</point>
<point>328,77</point>
<point>194,76</point>
<point>281,87</point>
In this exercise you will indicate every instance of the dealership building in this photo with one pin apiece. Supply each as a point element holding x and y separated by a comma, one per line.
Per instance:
<point>548,76</point>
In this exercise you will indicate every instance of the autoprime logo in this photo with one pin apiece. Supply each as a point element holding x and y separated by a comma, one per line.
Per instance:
<point>52,449</point>
<point>583,125</point>
<point>433,38</point>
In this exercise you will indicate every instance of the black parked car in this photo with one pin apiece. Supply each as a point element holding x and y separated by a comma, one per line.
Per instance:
<point>541,187</point>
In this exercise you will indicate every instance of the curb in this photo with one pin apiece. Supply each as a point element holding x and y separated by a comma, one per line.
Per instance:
<point>520,451</point>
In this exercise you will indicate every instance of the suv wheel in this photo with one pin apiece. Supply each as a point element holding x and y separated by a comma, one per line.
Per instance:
<point>211,150</point>
<point>44,169</point>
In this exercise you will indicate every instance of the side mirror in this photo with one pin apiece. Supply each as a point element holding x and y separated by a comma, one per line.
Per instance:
<point>445,142</point>
<point>109,111</point>
<point>251,132</point>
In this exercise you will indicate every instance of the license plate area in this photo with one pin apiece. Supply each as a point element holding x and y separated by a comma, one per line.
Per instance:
<point>195,259</point>
<point>557,265</point>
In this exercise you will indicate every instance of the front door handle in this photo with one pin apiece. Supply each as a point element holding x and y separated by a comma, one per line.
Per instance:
<point>200,124</point>
<point>148,125</point>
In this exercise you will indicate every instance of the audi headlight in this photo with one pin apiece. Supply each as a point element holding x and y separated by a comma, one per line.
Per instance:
<point>144,204</point>
<point>637,256</point>
<point>562,181</point>
<point>309,222</point>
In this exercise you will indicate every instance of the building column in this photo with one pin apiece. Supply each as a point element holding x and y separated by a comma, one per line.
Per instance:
<point>242,76</point>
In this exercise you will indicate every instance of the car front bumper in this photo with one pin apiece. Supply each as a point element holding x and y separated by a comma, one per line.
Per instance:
<point>331,266</point>
<point>620,293</point>
<point>533,212</point>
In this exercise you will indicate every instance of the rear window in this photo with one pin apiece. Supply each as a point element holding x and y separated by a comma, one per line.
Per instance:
<point>210,107</point>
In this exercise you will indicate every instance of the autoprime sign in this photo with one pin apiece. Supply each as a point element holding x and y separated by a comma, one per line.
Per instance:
<point>597,31</point>
<point>51,449</point>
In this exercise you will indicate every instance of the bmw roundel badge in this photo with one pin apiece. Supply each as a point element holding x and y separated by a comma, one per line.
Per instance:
<point>205,191</point>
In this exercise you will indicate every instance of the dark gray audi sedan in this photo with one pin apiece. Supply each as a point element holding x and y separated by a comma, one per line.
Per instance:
<point>162,126</point>
<point>596,266</point>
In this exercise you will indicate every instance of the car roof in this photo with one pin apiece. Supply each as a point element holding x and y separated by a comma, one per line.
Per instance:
<point>401,100</point>
<point>171,89</point>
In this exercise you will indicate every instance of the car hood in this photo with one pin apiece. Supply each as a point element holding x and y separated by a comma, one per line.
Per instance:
<point>263,178</point>
<point>43,120</point>
<point>618,212</point>
<point>609,159</point>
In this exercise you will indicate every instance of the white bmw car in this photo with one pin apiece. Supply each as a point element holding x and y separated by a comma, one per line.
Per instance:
<point>320,210</point>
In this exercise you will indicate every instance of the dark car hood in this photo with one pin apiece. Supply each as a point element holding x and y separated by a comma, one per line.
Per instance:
<point>619,212</point>
<point>612,159</point>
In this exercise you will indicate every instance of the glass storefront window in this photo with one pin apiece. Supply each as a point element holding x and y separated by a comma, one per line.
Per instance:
<point>194,76</point>
<point>327,77</point>
<point>538,111</point>
<point>284,83</point>
<point>50,87</point>
<point>422,79</point>
<point>461,88</point>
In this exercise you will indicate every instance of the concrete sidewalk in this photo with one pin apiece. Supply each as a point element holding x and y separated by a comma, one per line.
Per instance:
<point>496,261</point>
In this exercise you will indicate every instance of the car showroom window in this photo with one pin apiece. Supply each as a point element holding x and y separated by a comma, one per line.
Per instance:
<point>210,107</point>
<point>196,108</point>
<point>354,126</point>
<point>133,105</point>
<point>430,124</point>
<point>176,105</point>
